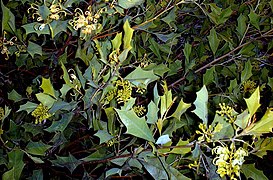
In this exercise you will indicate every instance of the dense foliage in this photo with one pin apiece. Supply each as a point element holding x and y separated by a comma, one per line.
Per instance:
<point>163,89</point>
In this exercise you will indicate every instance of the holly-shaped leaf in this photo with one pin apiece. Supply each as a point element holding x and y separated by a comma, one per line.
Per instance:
<point>8,19</point>
<point>128,34</point>
<point>135,126</point>
<point>181,109</point>
<point>37,148</point>
<point>33,49</point>
<point>201,102</point>
<point>70,162</point>
<point>47,87</point>
<point>263,145</point>
<point>213,40</point>
<point>247,72</point>
<point>104,136</point>
<point>126,4</point>
<point>180,149</point>
<point>250,171</point>
<point>29,107</point>
<point>253,102</point>
<point>264,125</point>
<point>141,77</point>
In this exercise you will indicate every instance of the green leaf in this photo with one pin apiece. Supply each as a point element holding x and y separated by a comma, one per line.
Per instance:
<point>15,165</point>
<point>247,72</point>
<point>152,113</point>
<point>45,99</point>
<point>253,102</point>
<point>32,128</point>
<point>171,17</point>
<point>201,102</point>
<point>248,50</point>
<point>116,42</point>
<point>126,4</point>
<point>47,87</point>
<point>34,48</point>
<point>208,77</point>
<point>135,126</point>
<point>44,11</point>
<point>264,125</point>
<point>250,171</point>
<point>57,27</point>
<point>226,129</point>
<point>37,148</point>
<point>113,171</point>
<point>70,162</point>
<point>242,119</point>
<point>35,159</point>
<point>34,28</point>
<point>213,41</point>
<point>181,150</point>
<point>128,34</point>
<point>120,161</point>
<point>187,52</point>
<point>155,168</point>
<point>14,173</point>
<point>262,146</point>
<point>181,109</point>
<point>159,69</point>
<point>241,28</point>
<point>14,96</point>
<point>254,19</point>
<point>61,124</point>
<point>8,20</point>
<point>66,76</point>
<point>217,15</point>
<point>141,77</point>
<point>104,136</point>
<point>29,107</point>
<point>37,175</point>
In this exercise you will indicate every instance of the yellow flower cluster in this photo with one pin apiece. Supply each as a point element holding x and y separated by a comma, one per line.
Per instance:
<point>140,89</point>
<point>139,110</point>
<point>207,133</point>
<point>86,21</point>
<point>2,113</point>
<point>227,112</point>
<point>4,43</point>
<point>249,86</point>
<point>55,9</point>
<point>122,92</point>
<point>41,113</point>
<point>229,161</point>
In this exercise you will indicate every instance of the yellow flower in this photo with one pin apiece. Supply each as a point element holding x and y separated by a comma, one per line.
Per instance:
<point>41,113</point>
<point>227,112</point>
<point>2,113</point>
<point>229,161</point>
<point>249,86</point>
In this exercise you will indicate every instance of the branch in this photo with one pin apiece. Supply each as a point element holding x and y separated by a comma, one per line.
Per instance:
<point>266,34</point>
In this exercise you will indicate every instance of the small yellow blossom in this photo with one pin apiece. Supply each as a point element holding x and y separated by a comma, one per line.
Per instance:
<point>249,86</point>
<point>229,160</point>
<point>227,112</point>
<point>139,110</point>
<point>41,113</point>
<point>2,113</point>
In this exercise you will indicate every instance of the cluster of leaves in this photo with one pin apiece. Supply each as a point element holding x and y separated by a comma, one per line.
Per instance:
<point>168,89</point>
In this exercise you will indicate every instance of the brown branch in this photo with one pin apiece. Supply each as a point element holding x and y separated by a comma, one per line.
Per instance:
<point>266,34</point>
<point>131,155</point>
